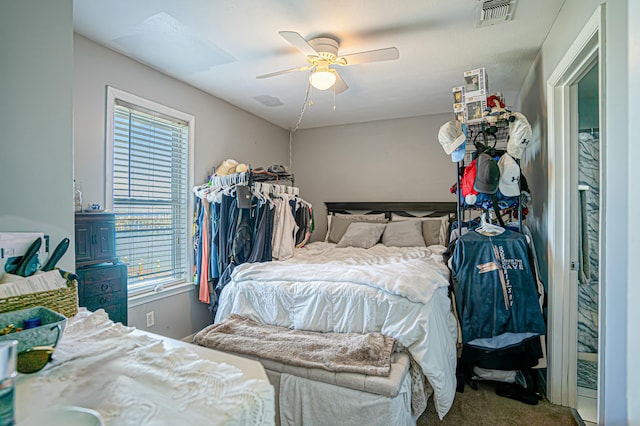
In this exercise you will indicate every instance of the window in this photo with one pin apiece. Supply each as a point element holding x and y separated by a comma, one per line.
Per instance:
<point>148,169</point>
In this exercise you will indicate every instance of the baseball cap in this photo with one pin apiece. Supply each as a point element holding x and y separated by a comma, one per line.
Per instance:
<point>277,169</point>
<point>519,135</point>
<point>459,152</point>
<point>509,176</point>
<point>487,174</point>
<point>451,136</point>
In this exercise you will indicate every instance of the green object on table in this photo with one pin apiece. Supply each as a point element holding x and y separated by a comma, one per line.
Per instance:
<point>29,263</point>
<point>47,334</point>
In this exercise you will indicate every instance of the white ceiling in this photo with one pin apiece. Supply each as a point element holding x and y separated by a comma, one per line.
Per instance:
<point>221,46</point>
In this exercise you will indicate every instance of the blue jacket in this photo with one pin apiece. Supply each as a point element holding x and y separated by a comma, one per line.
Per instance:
<point>496,294</point>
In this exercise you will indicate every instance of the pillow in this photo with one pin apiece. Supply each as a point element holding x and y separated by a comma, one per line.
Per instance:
<point>362,234</point>
<point>407,233</point>
<point>339,225</point>
<point>434,229</point>
<point>364,217</point>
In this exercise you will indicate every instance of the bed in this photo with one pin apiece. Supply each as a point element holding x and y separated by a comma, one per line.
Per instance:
<point>131,377</point>
<point>329,286</point>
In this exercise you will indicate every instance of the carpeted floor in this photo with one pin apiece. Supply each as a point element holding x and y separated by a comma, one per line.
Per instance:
<point>483,407</point>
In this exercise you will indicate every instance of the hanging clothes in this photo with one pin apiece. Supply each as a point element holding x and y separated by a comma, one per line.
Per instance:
<point>227,235</point>
<point>243,238</point>
<point>204,269</point>
<point>213,252</point>
<point>197,254</point>
<point>284,230</point>
<point>261,250</point>
<point>495,291</point>
<point>303,219</point>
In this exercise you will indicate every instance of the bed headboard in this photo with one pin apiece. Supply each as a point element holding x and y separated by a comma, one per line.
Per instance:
<point>402,208</point>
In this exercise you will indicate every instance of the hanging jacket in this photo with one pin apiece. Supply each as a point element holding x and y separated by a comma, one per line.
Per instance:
<point>496,295</point>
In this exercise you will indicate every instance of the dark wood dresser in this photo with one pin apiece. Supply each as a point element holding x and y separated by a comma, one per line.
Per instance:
<point>102,279</point>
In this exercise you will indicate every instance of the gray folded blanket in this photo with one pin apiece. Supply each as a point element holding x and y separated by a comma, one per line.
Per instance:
<point>368,353</point>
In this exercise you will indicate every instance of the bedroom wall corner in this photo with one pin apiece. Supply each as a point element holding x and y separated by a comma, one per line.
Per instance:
<point>222,131</point>
<point>619,347</point>
<point>387,160</point>
<point>36,47</point>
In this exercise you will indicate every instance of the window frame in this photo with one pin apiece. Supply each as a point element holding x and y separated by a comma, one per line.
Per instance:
<point>146,105</point>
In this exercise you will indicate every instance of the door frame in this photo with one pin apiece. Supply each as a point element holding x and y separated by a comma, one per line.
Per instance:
<point>562,133</point>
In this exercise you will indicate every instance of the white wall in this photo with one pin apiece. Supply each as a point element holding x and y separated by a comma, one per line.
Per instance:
<point>620,404</point>
<point>36,160</point>
<point>619,371</point>
<point>633,143</point>
<point>222,131</point>
<point>389,160</point>
<point>532,102</point>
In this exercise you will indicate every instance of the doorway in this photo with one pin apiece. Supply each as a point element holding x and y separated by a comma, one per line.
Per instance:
<point>586,213</point>
<point>575,104</point>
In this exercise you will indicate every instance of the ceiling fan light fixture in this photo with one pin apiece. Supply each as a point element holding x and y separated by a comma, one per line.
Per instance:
<point>322,78</point>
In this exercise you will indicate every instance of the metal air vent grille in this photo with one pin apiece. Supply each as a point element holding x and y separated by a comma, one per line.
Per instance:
<point>491,12</point>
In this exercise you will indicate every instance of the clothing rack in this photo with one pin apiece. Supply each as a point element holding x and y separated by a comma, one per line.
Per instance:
<point>229,180</point>
<point>219,183</point>
<point>500,132</point>
<point>274,188</point>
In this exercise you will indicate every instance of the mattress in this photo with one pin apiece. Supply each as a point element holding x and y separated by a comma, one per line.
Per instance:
<point>400,292</point>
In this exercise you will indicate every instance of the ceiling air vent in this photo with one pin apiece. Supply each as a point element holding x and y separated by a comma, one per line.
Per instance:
<point>492,12</point>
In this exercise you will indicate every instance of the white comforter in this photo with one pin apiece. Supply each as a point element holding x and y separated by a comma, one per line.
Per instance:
<point>400,292</point>
<point>132,380</point>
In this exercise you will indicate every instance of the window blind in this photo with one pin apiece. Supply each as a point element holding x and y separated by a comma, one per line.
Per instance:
<point>150,196</point>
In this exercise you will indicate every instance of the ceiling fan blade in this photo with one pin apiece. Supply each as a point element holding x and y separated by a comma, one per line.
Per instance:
<point>388,54</point>
<point>273,74</point>
<point>340,85</point>
<point>299,42</point>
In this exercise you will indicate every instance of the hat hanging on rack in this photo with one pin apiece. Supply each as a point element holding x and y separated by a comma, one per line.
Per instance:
<point>519,135</point>
<point>451,136</point>
<point>509,176</point>
<point>487,174</point>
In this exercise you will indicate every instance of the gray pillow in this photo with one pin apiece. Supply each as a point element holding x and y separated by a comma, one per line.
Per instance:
<point>362,234</point>
<point>339,225</point>
<point>407,233</point>
<point>434,229</point>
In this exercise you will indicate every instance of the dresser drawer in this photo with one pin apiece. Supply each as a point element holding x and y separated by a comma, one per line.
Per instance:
<point>99,301</point>
<point>104,287</point>
<point>101,273</point>
<point>112,304</point>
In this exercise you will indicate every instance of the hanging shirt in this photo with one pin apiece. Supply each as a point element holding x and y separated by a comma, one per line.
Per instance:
<point>204,271</point>
<point>213,252</point>
<point>495,290</point>
<point>284,230</point>
<point>260,235</point>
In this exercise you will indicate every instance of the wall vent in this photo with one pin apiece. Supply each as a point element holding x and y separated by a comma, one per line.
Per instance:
<point>491,12</point>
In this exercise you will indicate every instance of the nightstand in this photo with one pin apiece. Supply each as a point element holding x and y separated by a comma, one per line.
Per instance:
<point>102,279</point>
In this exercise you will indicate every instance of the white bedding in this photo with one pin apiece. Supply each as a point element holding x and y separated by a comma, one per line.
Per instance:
<point>400,292</point>
<point>133,379</point>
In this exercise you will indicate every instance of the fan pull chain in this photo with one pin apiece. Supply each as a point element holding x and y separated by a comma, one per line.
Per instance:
<point>304,107</point>
<point>334,97</point>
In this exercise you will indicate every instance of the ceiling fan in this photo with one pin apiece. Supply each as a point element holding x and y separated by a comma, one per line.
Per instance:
<point>322,54</point>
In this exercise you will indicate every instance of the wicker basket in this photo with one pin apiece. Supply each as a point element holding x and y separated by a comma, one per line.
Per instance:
<point>62,300</point>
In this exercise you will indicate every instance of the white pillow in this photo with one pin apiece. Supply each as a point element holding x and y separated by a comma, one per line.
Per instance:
<point>339,224</point>
<point>377,217</point>
<point>361,216</point>
<point>407,233</point>
<point>434,229</point>
<point>362,234</point>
